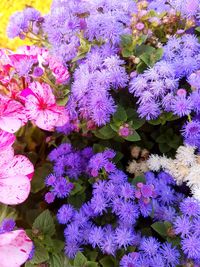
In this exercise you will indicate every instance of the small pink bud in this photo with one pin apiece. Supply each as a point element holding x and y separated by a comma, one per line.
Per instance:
<point>181,92</point>
<point>139,26</point>
<point>140,185</point>
<point>138,194</point>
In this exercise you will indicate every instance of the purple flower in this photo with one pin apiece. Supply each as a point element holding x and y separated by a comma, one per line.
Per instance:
<point>7,225</point>
<point>191,246</point>
<point>170,254</point>
<point>129,260</point>
<point>190,206</point>
<point>191,132</point>
<point>149,246</point>
<point>96,236</point>
<point>65,214</point>
<point>61,187</point>
<point>50,180</point>
<point>118,177</point>
<point>127,191</point>
<point>108,244</point>
<point>183,226</point>
<point>124,237</point>
<point>37,72</point>
<point>72,248</point>
<point>181,106</point>
<point>49,197</point>
<point>149,110</point>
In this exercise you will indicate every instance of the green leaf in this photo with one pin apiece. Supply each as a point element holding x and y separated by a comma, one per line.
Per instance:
<point>161,228</point>
<point>63,101</point>
<point>37,182</point>
<point>7,212</point>
<point>161,139</point>
<point>155,122</point>
<point>141,67</point>
<point>98,148</point>
<point>41,255</point>
<point>92,255</point>
<point>164,148</point>
<point>114,127</point>
<point>29,264</point>
<point>126,40</point>
<point>126,52</point>
<point>133,138</point>
<point>118,157</point>
<point>120,115</point>
<point>59,260</point>
<point>56,260</point>
<point>107,262</point>
<point>91,264</point>
<point>197,29</point>
<point>77,201</point>
<point>144,49</point>
<point>80,260</point>
<point>58,245</point>
<point>138,179</point>
<point>45,223</point>
<point>77,189</point>
<point>107,132</point>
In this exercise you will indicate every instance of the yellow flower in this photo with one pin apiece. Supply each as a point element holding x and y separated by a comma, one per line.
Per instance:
<point>7,8</point>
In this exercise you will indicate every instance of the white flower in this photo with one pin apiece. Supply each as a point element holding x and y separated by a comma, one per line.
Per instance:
<point>196,192</point>
<point>154,163</point>
<point>193,178</point>
<point>185,154</point>
<point>132,166</point>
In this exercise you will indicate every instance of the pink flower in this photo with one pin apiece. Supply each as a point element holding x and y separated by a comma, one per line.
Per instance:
<point>15,172</point>
<point>41,107</point>
<point>12,115</point>
<point>60,72</point>
<point>15,247</point>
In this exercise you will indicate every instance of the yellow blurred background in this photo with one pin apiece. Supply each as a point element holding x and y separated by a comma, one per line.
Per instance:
<point>7,8</point>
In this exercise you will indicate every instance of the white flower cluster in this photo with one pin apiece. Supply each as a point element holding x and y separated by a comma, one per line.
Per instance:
<point>184,168</point>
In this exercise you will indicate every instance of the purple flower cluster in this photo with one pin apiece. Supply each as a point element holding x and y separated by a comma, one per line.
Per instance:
<point>157,89</point>
<point>96,21</point>
<point>187,8</point>
<point>93,80</point>
<point>152,253</point>
<point>70,162</point>
<point>108,219</point>
<point>188,227</point>
<point>114,198</point>
<point>19,24</point>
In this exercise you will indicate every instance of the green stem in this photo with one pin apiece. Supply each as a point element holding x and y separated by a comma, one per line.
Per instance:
<point>189,118</point>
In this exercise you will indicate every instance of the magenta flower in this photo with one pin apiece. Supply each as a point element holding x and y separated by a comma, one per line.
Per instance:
<point>41,107</point>
<point>15,247</point>
<point>15,172</point>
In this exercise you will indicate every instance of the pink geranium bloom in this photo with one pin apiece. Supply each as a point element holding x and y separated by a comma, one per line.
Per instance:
<point>15,247</point>
<point>60,72</point>
<point>15,172</point>
<point>12,115</point>
<point>41,107</point>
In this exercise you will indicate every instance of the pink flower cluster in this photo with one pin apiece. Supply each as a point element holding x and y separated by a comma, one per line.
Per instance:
<point>15,248</point>
<point>24,95</point>
<point>16,172</point>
